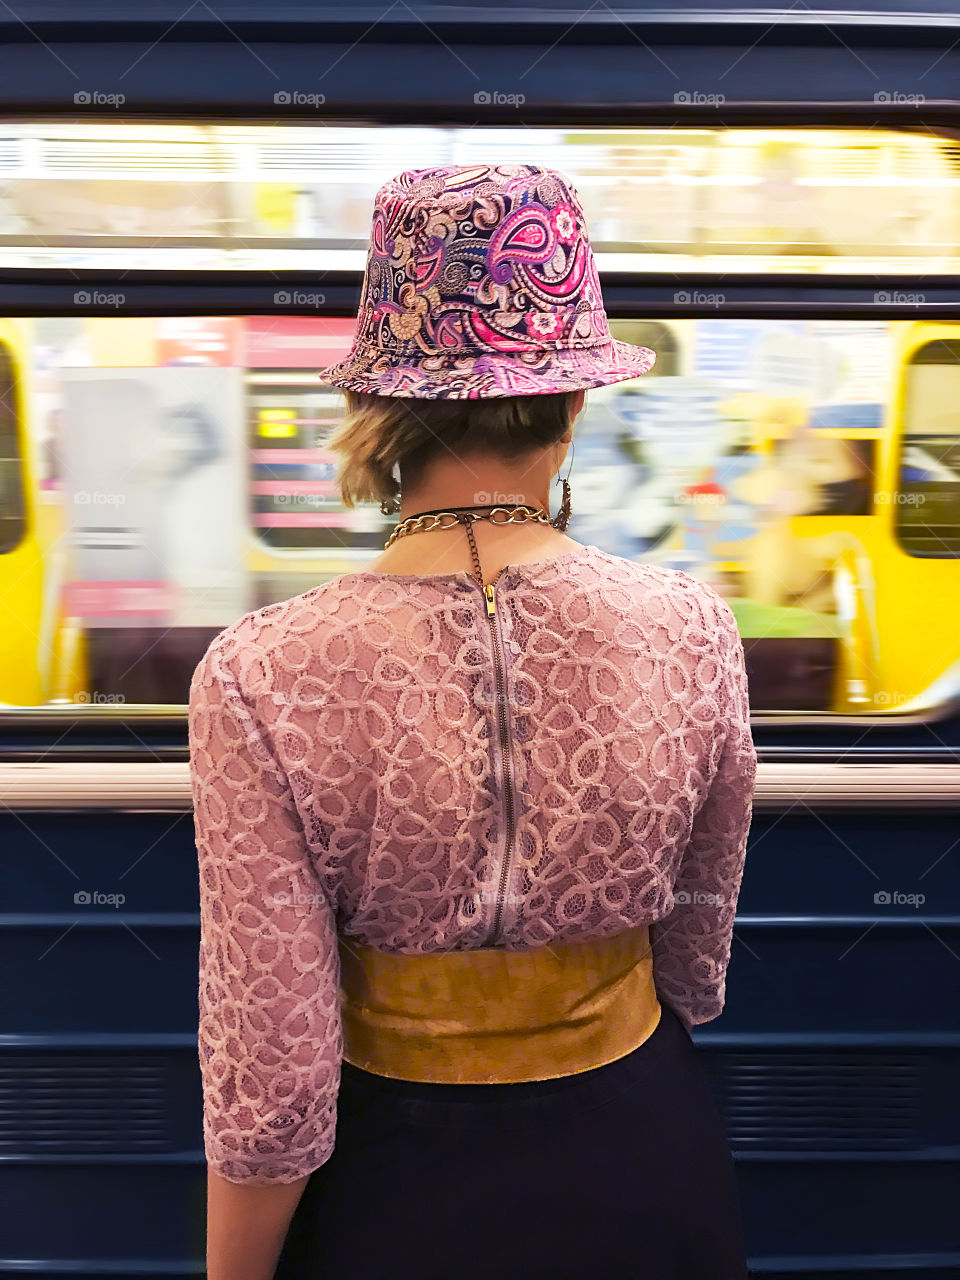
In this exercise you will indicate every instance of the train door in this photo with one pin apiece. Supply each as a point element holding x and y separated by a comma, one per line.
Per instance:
<point>27,538</point>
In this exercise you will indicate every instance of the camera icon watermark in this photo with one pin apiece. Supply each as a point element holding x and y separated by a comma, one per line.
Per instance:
<point>310,500</point>
<point>698,898</point>
<point>698,298</point>
<point>94,98</point>
<point>94,898</point>
<point>294,98</point>
<point>701,498</point>
<point>296,898</point>
<point>495,98</point>
<point>298,298</point>
<point>890,698</point>
<point>894,898</point>
<point>694,98</point>
<point>900,498</point>
<point>98,498</point>
<point>897,298</point>
<point>483,498</point>
<point>894,96</point>
<point>97,298</point>
<point>494,897</point>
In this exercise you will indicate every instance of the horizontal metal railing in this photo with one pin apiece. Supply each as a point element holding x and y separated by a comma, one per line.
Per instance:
<point>151,786</point>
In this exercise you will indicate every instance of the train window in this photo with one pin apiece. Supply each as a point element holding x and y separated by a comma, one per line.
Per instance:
<point>294,502</point>
<point>12,507</point>
<point>927,499</point>
<point>295,195</point>
<point>183,480</point>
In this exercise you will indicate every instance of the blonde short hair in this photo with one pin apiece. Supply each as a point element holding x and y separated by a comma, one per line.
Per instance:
<point>380,432</point>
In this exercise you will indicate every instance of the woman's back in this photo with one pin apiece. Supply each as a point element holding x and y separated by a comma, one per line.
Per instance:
<point>470,779</point>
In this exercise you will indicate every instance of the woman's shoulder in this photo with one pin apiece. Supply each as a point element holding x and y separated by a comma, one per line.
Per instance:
<point>670,589</point>
<point>251,638</point>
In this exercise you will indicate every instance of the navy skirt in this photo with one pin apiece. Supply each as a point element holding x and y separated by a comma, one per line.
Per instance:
<point>623,1172</point>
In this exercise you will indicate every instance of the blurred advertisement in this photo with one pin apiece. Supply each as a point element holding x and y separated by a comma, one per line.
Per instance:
<point>154,494</point>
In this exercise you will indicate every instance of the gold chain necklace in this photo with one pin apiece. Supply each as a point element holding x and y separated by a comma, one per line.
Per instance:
<point>425,521</point>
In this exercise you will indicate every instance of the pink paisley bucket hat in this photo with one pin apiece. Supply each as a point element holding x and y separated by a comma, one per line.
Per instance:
<point>480,282</point>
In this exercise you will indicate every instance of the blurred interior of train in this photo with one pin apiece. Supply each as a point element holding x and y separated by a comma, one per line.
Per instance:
<point>164,474</point>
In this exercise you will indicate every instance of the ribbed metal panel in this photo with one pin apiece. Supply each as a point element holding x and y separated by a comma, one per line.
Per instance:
<point>73,1104</point>
<point>821,1101</point>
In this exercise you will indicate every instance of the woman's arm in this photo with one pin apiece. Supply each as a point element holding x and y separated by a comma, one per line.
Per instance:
<point>246,1226</point>
<point>269,1032</point>
<point>691,946</point>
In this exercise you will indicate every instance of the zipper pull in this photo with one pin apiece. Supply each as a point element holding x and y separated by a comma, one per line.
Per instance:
<point>491,602</point>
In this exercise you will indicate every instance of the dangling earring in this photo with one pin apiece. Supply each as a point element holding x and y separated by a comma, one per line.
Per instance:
<point>390,506</point>
<point>563,515</point>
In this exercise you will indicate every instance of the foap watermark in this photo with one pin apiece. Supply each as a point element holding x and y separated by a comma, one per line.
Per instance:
<point>294,98</point>
<point>96,898</point>
<point>493,896</point>
<point>890,698</point>
<point>295,898</point>
<point>894,95</point>
<point>697,298</point>
<point>310,500</point>
<point>98,498</point>
<point>298,298</point>
<point>97,698</point>
<point>96,298</point>
<point>894,898</point>
<point>484,499</point>
<point>898,298</point>
<point>495,98</point>
<point>492,697</point>
<point>698,898</point>
<point>898,498</point>
<point>94,98</point>
<point>693,97</point>
<point>701,498</point>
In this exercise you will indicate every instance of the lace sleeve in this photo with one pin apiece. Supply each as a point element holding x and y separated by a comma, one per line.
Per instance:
<point>691,946</point>
<point>269,1041</point>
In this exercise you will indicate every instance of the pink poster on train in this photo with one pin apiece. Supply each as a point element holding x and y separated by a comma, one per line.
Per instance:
<point>154,494</point>
<point>295,342</point>
<point>198,340</point>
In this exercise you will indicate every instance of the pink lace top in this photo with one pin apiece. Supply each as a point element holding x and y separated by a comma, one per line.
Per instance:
<point>384,758</point>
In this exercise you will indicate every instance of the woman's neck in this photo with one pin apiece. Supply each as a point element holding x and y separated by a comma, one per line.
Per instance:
<point>448,550</point>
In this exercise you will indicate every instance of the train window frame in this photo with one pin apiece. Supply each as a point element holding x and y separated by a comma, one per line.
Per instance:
<point>902,528</point>
<point>287,223</point>
<point>14,527</point>
<point>287,379</point>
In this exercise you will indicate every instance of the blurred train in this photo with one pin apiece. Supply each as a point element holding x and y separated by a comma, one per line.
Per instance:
<point>830,521</point>
<point>774,200</point>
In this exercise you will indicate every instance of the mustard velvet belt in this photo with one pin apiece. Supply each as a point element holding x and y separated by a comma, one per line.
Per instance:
<point>493,1017</point>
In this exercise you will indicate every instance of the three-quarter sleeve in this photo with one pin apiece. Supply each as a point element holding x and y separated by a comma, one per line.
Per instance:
<point>691,946</point>
<point>270,1040</point>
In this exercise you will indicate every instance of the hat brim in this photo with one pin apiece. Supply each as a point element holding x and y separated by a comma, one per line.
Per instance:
<point>490,375</point>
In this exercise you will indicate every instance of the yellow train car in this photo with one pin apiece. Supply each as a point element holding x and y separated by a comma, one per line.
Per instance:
<point>41,650</point>
<point>860,568</point>
<point>22,653</point>
<point>917,537</point>
<point>828,515</point>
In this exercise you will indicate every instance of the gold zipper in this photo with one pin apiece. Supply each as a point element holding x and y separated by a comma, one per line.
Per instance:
<point>491,600</point>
